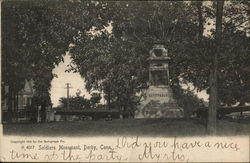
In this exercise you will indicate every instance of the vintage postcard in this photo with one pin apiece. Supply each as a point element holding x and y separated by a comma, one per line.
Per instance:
<point>125,81</point>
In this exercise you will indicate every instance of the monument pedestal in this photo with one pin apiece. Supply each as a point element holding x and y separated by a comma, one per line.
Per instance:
<point>159,103</point>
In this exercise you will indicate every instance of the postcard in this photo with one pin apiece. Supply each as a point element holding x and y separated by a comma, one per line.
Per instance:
<point>125,81</point>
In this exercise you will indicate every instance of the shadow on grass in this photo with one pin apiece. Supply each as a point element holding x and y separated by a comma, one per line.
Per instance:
<point>128,127</point>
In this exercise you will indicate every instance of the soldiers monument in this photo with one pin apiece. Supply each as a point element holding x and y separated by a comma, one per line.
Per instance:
<point>158,100</point>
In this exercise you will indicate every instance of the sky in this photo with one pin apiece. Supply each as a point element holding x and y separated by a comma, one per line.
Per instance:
<point>58,88</point>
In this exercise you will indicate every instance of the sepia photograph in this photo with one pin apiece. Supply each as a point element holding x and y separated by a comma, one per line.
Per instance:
<point>75,68</point>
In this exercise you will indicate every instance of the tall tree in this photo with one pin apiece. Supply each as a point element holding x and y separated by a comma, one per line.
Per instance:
<point>32,45</point>
<point>36,35</point>
<point>233,87</point>
<point>213,82</point>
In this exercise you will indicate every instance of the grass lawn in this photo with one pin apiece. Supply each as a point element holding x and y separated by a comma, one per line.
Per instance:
<point>117,127</point>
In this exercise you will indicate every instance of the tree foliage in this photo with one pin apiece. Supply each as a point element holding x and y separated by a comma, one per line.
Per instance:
<point>75,103</point>
<point>79,102</point>
<point>32,45</point>
<point>109,61</point>
<point>116,62</point>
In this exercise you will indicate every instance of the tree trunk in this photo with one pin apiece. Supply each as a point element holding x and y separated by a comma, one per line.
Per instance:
<point>15,105</point>
<point>43,113</point>
<point>10,104</point>
<point>201,28</point>
<point>109,98</point>
<point>213,97</point>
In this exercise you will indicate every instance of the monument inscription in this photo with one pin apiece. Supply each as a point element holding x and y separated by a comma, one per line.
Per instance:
<point>158,95</point>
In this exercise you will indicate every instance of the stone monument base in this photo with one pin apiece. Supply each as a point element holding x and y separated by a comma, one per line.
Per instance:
<point>159,103</point>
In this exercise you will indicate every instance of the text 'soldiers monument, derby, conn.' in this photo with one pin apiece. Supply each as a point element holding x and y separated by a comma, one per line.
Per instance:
<point>158,100</point>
